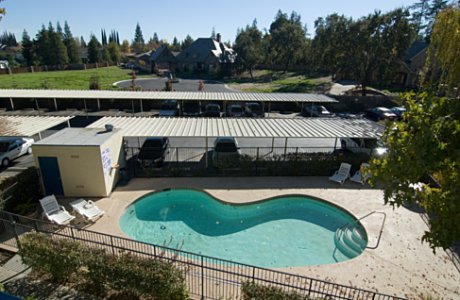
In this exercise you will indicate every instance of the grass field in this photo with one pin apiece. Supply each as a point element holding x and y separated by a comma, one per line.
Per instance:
<point>67,80</point>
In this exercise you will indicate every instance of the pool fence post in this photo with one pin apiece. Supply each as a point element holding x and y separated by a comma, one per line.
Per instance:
<point>177,157</point>
<point>257,162</point>
<point>253,274</point>
<point>309,290</point>
<point>71,230</point>
<point>202,278</point>
<point>206,152</point>
<point>16,236</point>
<point>111,243</point>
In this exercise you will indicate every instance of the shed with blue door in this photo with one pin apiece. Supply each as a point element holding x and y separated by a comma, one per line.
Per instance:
<point>80,162</point>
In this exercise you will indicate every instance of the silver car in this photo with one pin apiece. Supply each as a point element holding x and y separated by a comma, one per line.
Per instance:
<point>12,148</point>
<point>224,147</point>
<point>235,111</point>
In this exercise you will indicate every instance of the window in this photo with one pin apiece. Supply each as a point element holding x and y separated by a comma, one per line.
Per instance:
<point>190,67</point>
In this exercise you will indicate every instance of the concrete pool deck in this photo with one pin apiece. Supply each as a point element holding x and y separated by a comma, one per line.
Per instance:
<point>401,265</point>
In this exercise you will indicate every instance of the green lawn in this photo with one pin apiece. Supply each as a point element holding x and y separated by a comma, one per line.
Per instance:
<point>68,80</point>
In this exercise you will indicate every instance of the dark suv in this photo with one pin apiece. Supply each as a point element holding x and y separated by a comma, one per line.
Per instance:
<point>192,108</point>
<point>254,109</point>
<point>153,152</point>
<point>212,110</point>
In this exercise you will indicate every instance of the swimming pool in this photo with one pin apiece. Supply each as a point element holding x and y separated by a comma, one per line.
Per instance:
<point>282,232</point>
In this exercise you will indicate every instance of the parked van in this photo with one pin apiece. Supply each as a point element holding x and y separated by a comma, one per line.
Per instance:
<point>169,108</point>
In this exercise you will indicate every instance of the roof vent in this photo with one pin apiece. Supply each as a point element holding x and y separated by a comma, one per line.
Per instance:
<point>109,127</point>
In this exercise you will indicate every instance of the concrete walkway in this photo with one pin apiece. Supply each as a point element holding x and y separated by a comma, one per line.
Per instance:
<point>341,87</point>
<point>401,265</point>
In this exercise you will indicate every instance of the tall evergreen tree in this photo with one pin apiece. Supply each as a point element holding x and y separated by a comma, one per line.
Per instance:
<point>59,30</point>
<point>8,39</point>
<point>155,38</point>
<point>175,45</point>
<point>93,50</point>
<point>186,42</point>
<point>58,49</point>
<point>82,42</point>
<point>72,47</point>
<point>50,27</point>
<point>138,43</point>
<point>41,45</point>
<point>213,33</point>
<point>106,54</point>
<point>118,39</point>
<point>27,47</point>
<point>114,51</point>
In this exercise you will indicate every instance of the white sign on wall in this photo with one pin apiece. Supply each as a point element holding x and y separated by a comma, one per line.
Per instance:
<point>106,161</point>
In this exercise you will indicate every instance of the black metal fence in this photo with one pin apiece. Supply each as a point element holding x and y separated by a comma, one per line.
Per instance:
<point>207,277</point>
<point>250,161</point>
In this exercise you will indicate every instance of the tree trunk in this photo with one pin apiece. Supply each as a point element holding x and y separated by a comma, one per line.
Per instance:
<point>364,86</point>
<point>250,72</point>
<point>286,67</point>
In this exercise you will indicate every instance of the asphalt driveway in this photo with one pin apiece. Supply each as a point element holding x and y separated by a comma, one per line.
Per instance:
<point>184,85</point>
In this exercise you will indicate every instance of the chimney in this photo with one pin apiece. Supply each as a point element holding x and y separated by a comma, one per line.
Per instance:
<point>219,38</point>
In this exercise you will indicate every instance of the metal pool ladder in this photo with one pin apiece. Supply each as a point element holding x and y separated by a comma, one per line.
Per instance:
<point>179,245</point>
<point>343,228</point>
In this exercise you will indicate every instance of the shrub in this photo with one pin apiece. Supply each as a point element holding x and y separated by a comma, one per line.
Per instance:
<point>62,258</point>
<point>94,83</point>
<point>58,259</point>
<point>252,291</point>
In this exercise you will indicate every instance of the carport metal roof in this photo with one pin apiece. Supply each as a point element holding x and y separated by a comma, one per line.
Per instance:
<point>205,96</point>
<point>243,127</point>
<point>25,126</point>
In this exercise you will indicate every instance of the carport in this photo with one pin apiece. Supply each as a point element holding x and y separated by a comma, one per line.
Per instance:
<point>27,126</point>
<point>97,95</point>
<point>243,128</point>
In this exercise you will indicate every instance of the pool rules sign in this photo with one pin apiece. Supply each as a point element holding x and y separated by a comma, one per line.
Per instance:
<point>106,161</point>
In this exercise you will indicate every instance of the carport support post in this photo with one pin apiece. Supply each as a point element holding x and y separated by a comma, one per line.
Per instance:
<point>225,108</point>
<point>140,101</point>
<point>38,107</point>
<point>55,104</point>
<point>335,144</point>
<point>285,148</point>
<point>40,136</point>
<point>68,123</point>
<point>273,143</point>
<point>132,105</point>
<point>86,110</point>
<point>311,114</point>
<point>263,106</point>
<point>12,104</point>
<point>206,156</point>
<point>98,105</point>
<point>301,109</point>
<point>269,103</point>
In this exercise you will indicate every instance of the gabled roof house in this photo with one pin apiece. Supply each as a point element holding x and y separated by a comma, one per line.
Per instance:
<point>205,55</point>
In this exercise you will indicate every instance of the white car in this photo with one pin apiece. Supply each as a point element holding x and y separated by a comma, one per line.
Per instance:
<point>372,147</point>
<point>318,111</point>
<point>12,148</point>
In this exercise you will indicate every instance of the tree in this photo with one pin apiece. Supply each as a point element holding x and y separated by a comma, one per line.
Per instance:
<point>8,39</point>
<point>27,47</point>
<point>41,45</point>
<point>175,45</point>
<point>155,38</point>
<point>125,48</point>
<point>213,33</point>
<point>371,47</point>
<point>93,50</point>
<point>59,30</point>
<point>82,42</point>
<point>428,142</point>
<point>186,42</point>
<point>58,49</point>
<point>288,38</point>
<point>2,11</point>
<point>249,48</point>
<point>138,43</point>
<point>105,53</point>
<point>114,51</point>
<point>103,37</point>
<point>71,45</point>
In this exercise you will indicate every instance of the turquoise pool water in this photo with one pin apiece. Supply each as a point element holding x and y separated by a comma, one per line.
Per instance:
<point>285,232</point>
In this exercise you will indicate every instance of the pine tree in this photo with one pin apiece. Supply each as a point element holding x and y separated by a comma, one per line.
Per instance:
<point>58,49</point>
<point>118,39</point>
<point>82,42</point>
<point>41,44</point>
<point>106,54</point>
<point>59,30</point>
<point>155,37</point>
<point>114,51</point>
<point>93,50</point>
<point>27,47</point>
<point>72,47</point>
<point>186,42</point>
<point>213,34</point>
<point>138,43</point>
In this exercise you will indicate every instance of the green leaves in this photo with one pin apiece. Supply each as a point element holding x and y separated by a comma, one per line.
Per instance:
<point>425,143</point>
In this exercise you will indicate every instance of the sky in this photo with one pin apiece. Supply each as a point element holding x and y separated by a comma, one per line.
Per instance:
<point>176,18</point>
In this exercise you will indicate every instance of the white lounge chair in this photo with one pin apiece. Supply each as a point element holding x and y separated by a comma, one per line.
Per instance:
<point>88,210</point>
<point>358,177</point>
<point>55,212</point>
<point>342,174</point>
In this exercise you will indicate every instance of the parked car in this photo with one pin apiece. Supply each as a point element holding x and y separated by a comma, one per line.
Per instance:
<point>212,110</point>
<point>253,109</point>
<point>318,111</point>
<point>235,111</point>
<point>12,148</point>
<point>192,108</point>
<point>399,112</point>
<point>373,147</point>
<point>224,147</point>
<point>169,108</point>
<point>153,152</point>
<point>381,113</point>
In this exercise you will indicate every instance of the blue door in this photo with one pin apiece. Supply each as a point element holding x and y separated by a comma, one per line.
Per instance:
<point>51,176</point>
